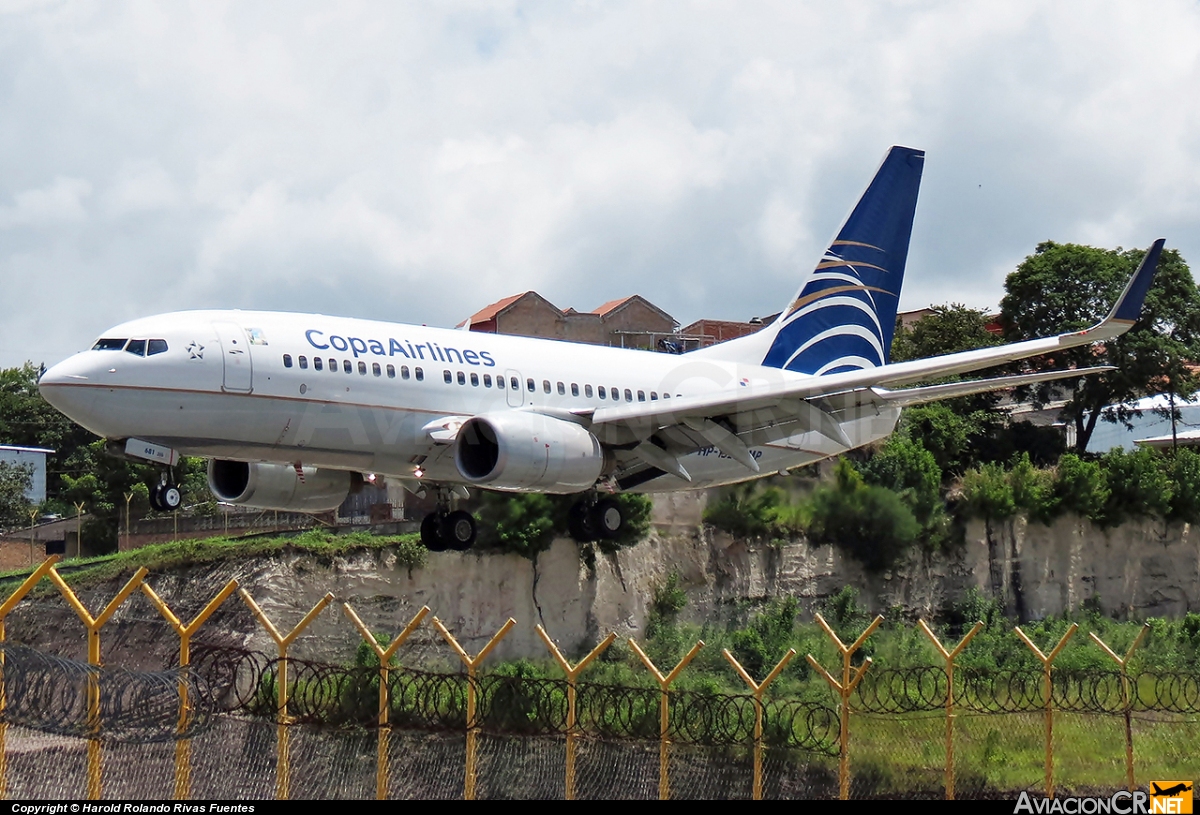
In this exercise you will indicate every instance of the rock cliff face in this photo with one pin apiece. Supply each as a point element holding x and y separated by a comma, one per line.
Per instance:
<point>1140,569</point>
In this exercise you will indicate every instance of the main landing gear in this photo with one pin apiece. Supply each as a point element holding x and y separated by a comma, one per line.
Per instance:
<point>443,529</point>
<point>165,496</point>
<point>594,519</point>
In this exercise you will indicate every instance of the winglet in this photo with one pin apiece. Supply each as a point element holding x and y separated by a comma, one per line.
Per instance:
<point>1129,305</point>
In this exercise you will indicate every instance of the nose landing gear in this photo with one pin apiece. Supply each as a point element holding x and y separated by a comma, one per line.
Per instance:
<point>165,496</point>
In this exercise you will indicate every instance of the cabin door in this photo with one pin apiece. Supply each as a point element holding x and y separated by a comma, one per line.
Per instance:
<point>235,351</point>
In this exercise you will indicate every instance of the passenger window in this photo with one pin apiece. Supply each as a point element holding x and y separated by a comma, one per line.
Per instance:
<point>287,360</point>
<point>375,369</point>
<point>546,385</point>
<point>474,380</point>
<point>136,347</point>
<point>449,377</point>
<point>616,394</point>
<point>653,396</point>
<point>514,384</point>
<point>487,380</point>
<point>420,375</point>
<point>362,368</point>
<point>391,369</point>
<point>462,378</point>
<point>332,365</point>
<point>562,389</point>
<point>529,384</point>
<point>347,367</point>
<point>574,389</point>
<point>108,344</point>
<point>156,347</point>
<point>628,395</point>
<point>641,396</point>
<point>318,364</point>
<point>601,392</point>
<point>404,372</point>
<point>303,360</point>
<point>587,391</point>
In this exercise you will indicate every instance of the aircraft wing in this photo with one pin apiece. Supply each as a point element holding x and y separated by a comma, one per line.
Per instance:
<point>657,433</point>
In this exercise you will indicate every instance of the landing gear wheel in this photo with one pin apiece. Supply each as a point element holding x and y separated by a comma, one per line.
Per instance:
<point>169,498</point>
<point>581,523</point>
<point>430,527</point>
<point>608,519</point>
<point>155,502</point>
<point>458,531</point>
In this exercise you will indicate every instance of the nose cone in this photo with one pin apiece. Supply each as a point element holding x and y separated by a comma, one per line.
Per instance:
<point>69,386</point>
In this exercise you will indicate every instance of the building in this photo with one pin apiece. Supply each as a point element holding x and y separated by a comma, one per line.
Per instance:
<point>35,457</point>
<point>630,322</point>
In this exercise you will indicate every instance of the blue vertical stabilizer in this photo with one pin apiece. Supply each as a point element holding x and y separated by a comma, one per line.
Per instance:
<point>844,315</point>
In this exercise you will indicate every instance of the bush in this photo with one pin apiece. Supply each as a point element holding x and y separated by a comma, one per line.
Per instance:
<point>521,523</point>
<point>871,524</point>
<point>1184,470</point>
<point>906,467</point>
<point>1138,485</point>
<point>988,493</point>
<point>1080,487</point>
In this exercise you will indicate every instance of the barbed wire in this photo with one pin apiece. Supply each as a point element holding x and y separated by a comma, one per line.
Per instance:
<point>924,688</point>
<point>51,694</point>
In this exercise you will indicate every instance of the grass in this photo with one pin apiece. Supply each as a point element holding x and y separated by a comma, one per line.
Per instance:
<point>165,556</point>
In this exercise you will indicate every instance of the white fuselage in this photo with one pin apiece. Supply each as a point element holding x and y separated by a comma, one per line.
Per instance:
<point>360,395</point>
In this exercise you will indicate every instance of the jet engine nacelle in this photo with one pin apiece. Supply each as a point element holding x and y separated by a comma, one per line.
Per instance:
<point>528,451</point>
<point>276,486</point>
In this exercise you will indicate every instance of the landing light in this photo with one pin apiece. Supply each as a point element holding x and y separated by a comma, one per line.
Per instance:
<point>418,472</point>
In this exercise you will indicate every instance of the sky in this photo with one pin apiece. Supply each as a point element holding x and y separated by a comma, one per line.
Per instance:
<point>415,162</point>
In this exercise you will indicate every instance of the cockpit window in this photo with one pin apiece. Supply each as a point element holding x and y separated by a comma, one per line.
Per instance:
<point>136,347</point>
<point>109,344</point>
<point>156,347</point>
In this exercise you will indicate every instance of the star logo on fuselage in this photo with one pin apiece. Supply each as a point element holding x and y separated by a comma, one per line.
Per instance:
<point>196,350</point>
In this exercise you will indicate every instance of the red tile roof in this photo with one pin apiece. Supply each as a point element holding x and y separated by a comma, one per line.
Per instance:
<point>490,312</point>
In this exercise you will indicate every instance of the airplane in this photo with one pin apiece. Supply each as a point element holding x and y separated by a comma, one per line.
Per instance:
<point>294,410</point>
<point>1182,786</point>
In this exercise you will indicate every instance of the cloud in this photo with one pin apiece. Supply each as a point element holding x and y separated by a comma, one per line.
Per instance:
<point>414,164</point>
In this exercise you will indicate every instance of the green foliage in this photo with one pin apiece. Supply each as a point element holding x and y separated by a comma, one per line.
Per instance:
<point>988,493</point>
<point>751,510</point>
<point>15,480</point>
<point>522,523</point>
<point>761,645</point>
<point>669,598</point>
<point>945,330</point>
<point>907,468</point>
<point>1139,485</point>
<point>1032,489</point>
<point>1183,468</point>
<point>872,524</point>
<point>1079,487</point>
<point>1067,287</point>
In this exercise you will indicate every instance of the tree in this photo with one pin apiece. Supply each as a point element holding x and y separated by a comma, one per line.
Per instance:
<point>946,329</point>
<point>15,481</point>
<point>1068,287</point>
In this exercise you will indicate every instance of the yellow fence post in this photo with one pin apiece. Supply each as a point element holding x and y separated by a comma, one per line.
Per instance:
<point>94,624</point>
<point>1126,697</point>
<point>664,736</point>
<point>472,725</point>
<point>183,747</point>
<point>17,596</point>
<point>757,690</point>
<point>949,657</point>
<point>1047,661</point>
<point>850,680</point>
<point>283,778</point>
<point>572,675</point>
<point>385,656</point>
